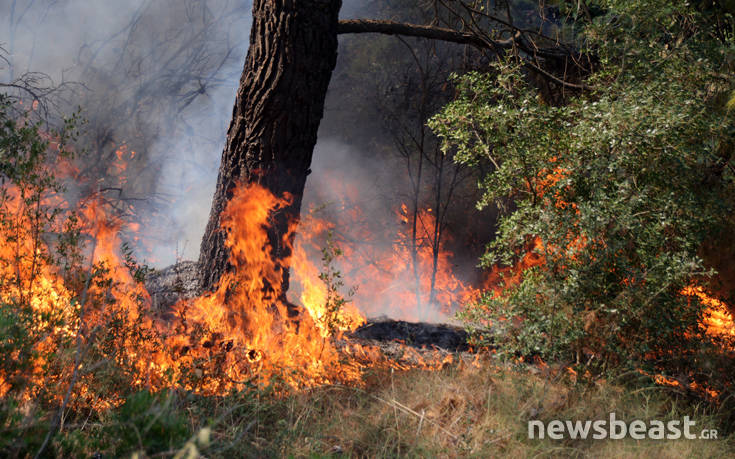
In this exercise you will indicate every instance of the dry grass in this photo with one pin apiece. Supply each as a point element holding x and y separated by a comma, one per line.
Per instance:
<point>460,411</point>
<point>469,412</point>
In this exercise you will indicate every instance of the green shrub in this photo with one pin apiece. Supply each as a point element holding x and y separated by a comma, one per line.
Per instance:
<point>617,189</point>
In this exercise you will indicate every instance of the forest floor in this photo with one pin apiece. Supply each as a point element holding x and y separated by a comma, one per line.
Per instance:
<point>465,411</point>
<point>480,409</point>
<point>471,407</point>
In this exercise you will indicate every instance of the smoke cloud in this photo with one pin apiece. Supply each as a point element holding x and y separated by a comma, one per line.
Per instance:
<point>156,81</point>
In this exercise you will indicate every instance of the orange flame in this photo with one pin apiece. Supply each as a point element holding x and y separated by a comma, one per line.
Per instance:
<point>718,319</point>
<point>384,273</point>
<point>237,335</point>
<point>247,316</point>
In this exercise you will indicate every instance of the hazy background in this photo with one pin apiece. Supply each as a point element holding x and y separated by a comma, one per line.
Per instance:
<point>156,82</point>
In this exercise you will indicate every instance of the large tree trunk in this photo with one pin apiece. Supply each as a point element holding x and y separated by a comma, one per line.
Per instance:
<point>279,105</point>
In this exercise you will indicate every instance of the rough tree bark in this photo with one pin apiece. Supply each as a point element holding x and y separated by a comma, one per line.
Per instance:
<point>279,105</point>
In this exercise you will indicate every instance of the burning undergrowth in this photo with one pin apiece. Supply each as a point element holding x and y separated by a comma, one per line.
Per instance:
<point>246,318</point>
<point>243,332</point>
<point>94,331</point>
<point>78,319</point>
<point>240,335</point>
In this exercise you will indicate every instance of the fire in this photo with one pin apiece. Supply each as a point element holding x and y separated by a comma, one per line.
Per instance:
<point>129,298</point>
<point>718,319</point>
<point>238,335</point>
<point>244,332</point>
<point>388,278</point>
<point>502,277</point>
<point>60,314</point>
<point>28,281</point>
<point>118,168</point>
<point>246,315</point>
<point>315,295</point>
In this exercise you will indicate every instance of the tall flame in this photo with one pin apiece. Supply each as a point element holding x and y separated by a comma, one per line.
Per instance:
<point>246,316</point>
<point>28,280</point>
<point>718,318</point>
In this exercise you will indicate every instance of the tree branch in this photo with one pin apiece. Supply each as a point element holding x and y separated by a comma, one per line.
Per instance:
<point>423,31</point>
<point>482,42</point>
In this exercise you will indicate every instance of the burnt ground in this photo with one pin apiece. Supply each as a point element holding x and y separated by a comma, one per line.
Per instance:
<point>419,335</point>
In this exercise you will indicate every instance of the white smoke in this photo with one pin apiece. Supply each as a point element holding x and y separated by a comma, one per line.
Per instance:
<point>119,51</point>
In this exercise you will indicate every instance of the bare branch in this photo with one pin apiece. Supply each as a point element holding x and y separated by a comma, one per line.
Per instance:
<point>525,50</point>
<point>422,31</point>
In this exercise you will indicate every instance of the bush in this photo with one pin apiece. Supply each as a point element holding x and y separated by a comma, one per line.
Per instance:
<point>35,318</point>
<point>70,318</point>
<point>616,190</point>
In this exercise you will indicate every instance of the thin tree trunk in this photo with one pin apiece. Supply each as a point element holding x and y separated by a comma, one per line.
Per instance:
<point>414,235</point>
<point>437,230</point>
<point>280,102</point>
